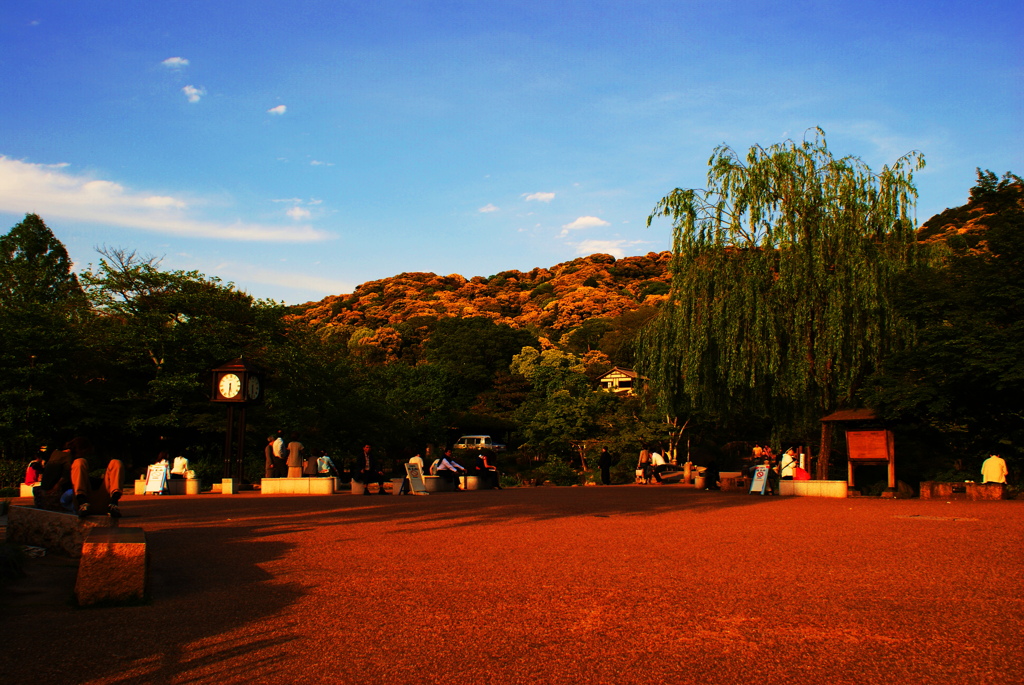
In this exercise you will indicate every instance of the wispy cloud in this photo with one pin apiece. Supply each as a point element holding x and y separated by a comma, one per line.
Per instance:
<point>317,162</point>
<point>280,109</point>
<point>487,208</point>
<point>192,93</point>
<point>616,248</point>
<point>581,223</point>
<point>298,213</point>
<point>48,190</point>
<point>304,282</point>
<point>539,197</point>
<point>175,62</point>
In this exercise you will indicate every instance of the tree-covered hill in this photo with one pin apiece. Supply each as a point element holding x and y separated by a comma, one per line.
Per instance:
<point>556,299</point>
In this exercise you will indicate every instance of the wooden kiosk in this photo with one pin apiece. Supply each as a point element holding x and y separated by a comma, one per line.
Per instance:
<point>867,443</point>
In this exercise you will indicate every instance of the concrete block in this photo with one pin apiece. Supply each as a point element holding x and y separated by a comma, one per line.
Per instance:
<point>229,486</point>
<point>437,484</point>
<point>812,488</point>
<point>298,486</point>
<point>114,566</point>
<point>26,490</point>
<point>57,531</point>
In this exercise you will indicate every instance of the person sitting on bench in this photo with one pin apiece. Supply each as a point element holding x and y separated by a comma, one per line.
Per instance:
<point>449,470</point>
<point>70,466</point>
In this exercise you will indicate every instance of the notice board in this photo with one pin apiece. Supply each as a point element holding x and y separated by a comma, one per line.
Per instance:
<point>759,483</point>
<point>416,482</point>
<point>156,479</point>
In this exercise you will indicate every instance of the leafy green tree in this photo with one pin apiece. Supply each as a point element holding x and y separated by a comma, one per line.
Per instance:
<point>960,384</point>
<point>783,275</point>
<point>160,333</point>
<point>41,356</point>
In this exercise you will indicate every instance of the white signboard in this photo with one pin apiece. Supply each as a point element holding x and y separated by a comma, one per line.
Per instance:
<point>415,473</point>
<point>759,482</point>
<point>156,479</point>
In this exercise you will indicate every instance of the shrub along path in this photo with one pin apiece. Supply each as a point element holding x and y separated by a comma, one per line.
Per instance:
<point>623,584</point>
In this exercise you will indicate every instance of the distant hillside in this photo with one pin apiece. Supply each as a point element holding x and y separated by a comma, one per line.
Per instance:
<point>965,226</point>
<point>556,299</point>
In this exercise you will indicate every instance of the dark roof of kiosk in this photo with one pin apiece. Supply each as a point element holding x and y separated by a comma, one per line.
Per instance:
<point>851,415</point>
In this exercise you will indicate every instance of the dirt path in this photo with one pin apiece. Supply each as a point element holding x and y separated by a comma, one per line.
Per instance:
<point>625,584</point>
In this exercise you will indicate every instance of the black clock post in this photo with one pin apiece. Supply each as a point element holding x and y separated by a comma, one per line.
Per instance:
<point>236,384</point>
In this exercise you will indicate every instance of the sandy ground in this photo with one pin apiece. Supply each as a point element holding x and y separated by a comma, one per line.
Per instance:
<point>624,584</point>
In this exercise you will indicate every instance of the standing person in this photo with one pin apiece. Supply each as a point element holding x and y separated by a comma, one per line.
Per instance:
<point>280,454</point>
<point>70,468</point>
<point>269,468</point>
<point>605,462</point>
<point>787,467</point>
<point>644,465</point>
<point>371,472</point>
<point>711,476</point>
<point>993,470</point>
<point>309,464</point>
<point>294,449</point>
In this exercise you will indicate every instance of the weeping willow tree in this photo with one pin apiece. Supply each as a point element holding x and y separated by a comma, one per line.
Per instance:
<point>783,275</point>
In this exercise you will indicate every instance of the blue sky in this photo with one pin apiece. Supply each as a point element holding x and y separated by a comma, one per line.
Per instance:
<point>301,148</point>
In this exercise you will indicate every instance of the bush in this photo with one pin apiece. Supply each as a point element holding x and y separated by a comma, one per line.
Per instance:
<point>558,472</point>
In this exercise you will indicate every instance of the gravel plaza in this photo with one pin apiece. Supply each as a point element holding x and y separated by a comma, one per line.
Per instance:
<point>621,584</point>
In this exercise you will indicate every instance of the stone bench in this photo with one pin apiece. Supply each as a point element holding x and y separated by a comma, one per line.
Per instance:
<point>175,486</point>
<point>57,531</point>
<point>298,486</point>
<point>437,484</point>
<point>26,490</point>
<point>813,488</point>
<point>113,568</point>
<point>962,491</point>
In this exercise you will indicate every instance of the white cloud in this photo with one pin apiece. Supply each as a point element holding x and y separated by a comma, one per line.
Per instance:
<point>487,208</point>
<point>50,191</point>
<point>280,109</point>
<point>581,223</point>
<point>175,62</point>
<point>317,162</point>
<point>298,213</point>
<point>293,280</point>
<point>616,248</point>
<point>192,93</point>
<point>539,197</point>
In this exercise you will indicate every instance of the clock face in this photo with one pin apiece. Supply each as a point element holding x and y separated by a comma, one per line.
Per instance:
<point>229,386</point>
<point>253,390</point>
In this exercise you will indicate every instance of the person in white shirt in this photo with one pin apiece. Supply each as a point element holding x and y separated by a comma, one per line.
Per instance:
<point>659,463</point>
<point>448,469</point>
<point>993,470</point>
<point>788,465</point>
<point>180,467</point>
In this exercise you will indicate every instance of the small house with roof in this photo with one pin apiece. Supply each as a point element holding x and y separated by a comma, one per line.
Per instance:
<point>620,381</point>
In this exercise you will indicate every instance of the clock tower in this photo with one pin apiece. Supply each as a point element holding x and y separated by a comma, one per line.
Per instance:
<point>236,384</point>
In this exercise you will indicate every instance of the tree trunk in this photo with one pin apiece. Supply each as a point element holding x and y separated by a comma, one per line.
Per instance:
<point>824,451</point>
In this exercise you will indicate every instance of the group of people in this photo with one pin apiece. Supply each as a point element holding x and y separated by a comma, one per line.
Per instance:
<point>652,464</point>
<point>61,481</point>
<point>290,460</point>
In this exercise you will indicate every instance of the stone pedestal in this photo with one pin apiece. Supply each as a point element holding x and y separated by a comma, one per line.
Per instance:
<point>298,486</point>
<point>229,486</point>
<point>813,488</point>
<point>56,531</point>
<point>113,567</point>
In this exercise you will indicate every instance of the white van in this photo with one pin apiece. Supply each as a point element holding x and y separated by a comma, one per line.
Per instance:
<point>477,442</point>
